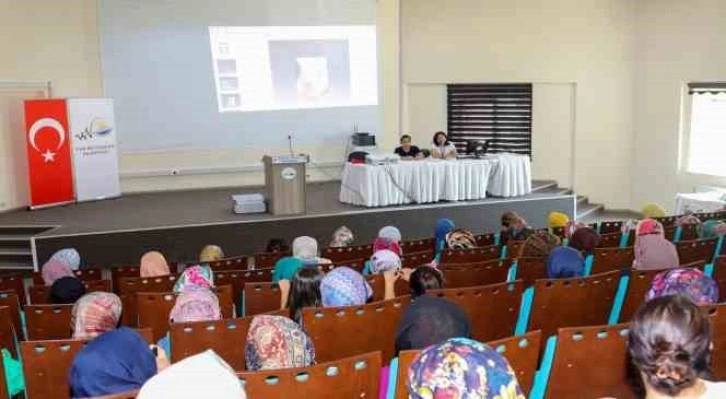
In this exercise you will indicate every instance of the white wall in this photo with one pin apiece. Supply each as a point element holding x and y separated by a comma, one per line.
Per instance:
<point>677,42</point>
<point>587,42</point>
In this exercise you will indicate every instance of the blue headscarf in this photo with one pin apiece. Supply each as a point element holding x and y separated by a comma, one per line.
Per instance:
<point>564,262</point>
<point>114,362</point>
<point>443,227</point>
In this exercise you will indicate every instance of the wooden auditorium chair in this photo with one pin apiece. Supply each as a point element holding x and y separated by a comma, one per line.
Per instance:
<point>485,240</point>
<point>470,255</point>
<point>261,298</point>
<point>459,275</point>
<point>611,227</point>
<point>414,260</point>
<point>717,314</point>
<point>415,246</point>
<point>14,282</point>
<point>10,300</point>
<point>610,240</point>
<point>238,278</point>
<point>529,269</point>
<point>85,274</point>
<point>47,322</point>
<point>698,250</point>
<point>226,337</point>
<point>718,273</point>
<point>40,294</point>
<point>337,255</point>
<point>608,259</point>
<point>234,263</point>
<point>128,287</point>
<point>513,249</point>
<point>119,272</point>
<point>266,260</point>
<point>8,337</point>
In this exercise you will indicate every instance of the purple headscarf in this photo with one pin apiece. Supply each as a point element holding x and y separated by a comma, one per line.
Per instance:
<point>652,250</point>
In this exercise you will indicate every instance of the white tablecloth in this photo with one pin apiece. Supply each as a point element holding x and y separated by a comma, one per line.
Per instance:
<point>699,202</point>
<point>433,180</point>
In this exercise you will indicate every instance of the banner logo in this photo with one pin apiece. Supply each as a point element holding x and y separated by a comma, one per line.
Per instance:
<point>48,155</point>
<point>97,127</point>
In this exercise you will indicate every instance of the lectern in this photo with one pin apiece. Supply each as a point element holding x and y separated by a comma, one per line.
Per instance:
<point>285,182</point>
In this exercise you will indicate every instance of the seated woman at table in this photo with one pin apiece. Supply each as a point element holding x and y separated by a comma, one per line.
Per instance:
<point>407,151</point>
<point>442,148</point>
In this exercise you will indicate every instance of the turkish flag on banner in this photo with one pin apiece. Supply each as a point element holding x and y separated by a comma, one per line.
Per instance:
<point>49,152</point>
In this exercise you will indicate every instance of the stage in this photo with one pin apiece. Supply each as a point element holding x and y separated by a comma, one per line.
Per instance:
<point>119,231</point>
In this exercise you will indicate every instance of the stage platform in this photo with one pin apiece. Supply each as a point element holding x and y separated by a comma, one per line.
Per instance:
<point>119,231</point>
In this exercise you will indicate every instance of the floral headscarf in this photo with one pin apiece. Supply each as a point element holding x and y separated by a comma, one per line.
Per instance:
<point>195,305</point>
<point>55,269</point>
<point>691,283</point>
<point>540,244</point>
<point>461,368</point>
<point>344,286</point>
<point>687,219</point>
<point>69,256</point>
<point>342,237</point>
<point>195,277</point>
<point>385,260</point>
<point>460,239</point>
<point>94,314</point>
<point>153,264</point>
<point>277,342</point>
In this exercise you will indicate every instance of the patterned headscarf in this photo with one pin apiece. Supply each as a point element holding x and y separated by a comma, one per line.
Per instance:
<point>94,314</point>
<point>691,283</point>
<point>277,342</point>
<point>519,230</point>
<point>687,219</point>
<point>305,248</point>
<point>540,244</point>
<point>461,368</point>
<point>390,232</point>
<point>584,239</point>
<point>653,210</point>
<point>55,269</point>
<point>211,253</point>
<point>712,228</point>
<point>510,218</point>
<point>69,256</point>
<point>385,260</point>
<point>649,226</point>
<point>565,262</point>
<point>344,286</point>
<point>342,237</point>
<point>558,219</point>
<point>460,239</point>
<point>443,227</point>
<point>195,277</point>
<point>381,243</point>
<point>195,305</point>
<point>652,250</point>
<point>153,264</point>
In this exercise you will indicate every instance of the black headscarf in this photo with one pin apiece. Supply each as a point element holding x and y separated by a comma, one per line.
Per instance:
<point>429,321</point>
<point>66,291</point>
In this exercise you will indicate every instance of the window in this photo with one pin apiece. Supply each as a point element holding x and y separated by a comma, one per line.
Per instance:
<point>498,113</point>
<point>707,135</point>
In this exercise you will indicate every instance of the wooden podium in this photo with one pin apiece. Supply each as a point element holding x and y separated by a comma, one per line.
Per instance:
<point>285,181</point>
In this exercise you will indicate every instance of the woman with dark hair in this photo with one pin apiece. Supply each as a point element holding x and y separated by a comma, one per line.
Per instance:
<point>670,343</point>
<point>304,291</point>
<point>66,291</point>
<point>423,279</point>
<point>442,148</point>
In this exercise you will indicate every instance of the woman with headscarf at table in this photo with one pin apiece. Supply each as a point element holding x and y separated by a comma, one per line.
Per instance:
<point>70,256</point>
<point>54,269</point>
<point>153,264</point>
<point>211,253</point>
<point>462,368</point>
<point>565,262</point>
<point>557,219</point>
<point>540,244</point>
<point>712,228</point>
<point>114,362</point>
<point>443,227</point>
<point>342,237</point>
<point>584,239</point>
<point>429,320</point>
<point>276,342</point>
<point>691,283</point>
<point>66,291</point>
<point>344,286</point>
<point>94,314</point>
<point>194,305</point>
<point>195,278</point>
<point>652,210</point>
<point>204,375</point>
<point>304,253</point>
<point>652,250</point>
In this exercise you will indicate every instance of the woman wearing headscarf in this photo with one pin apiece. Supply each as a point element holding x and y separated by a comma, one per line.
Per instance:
<point>712,228</point>
<point>443,227</point>
<point>584,239</point>
<point>195,278</point>
<point>430,320</point>
<point>462,368</point>
<point>55,269</point>
<point>344,286</point>
<point>540,244</point>
<point>687,219</point>
<point>691,283</point>
<point>204,375</point>
<point>460,239</point>
<point>193,305</point>
<point>652,250</point>
<point>153,264</point>
<point>519,230</point>
<point>66,291</point>
<point>276,342</point>
<point>69,256</point>
<point>652,210</point>
<point>509,218</point>
<point>391,233</point>
<point>114,362</point>
<point>388,238</point>
<point>304,253</point>
<point>565,262</point>
<point>557,219</point>
<point>342,237</point>
<point>211,253</point>
<point>94,314</point>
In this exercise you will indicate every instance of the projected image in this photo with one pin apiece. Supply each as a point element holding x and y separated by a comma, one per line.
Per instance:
<point>272,68</point>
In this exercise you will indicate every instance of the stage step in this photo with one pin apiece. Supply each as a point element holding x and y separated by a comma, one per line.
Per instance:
<point>16,251</point>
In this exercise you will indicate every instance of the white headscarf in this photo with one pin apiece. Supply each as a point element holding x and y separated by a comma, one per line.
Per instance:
<point>390,233</point>
<point>204,375</point>
<point>305,248</point>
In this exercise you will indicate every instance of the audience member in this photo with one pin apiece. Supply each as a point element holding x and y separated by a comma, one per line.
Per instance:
<point>460,239</point>
<point>190,306</point>
<point>519,230</point>
<point>276,342</point>
<point>204,375</point>
<point>540,244</point>
<point>55,269</point>
<point>424,279</point>
<point>442,148</point>
<point>304,292</point>
<point>69,256</point>
<point>94,314</point>
<point>430,320</point>
<point>342,237</point>
<point>584,239</point>
<point>509,218</point>
<point>195,278</point>
<point>114,362</point>
<point>304,253</point>
<point>652,210</point>
<point>383,261</point>
<point>407,151</point>
<point>391,233</point>
<point>670,343</point>
<point>712,228</point>
<point>565,262</point>
<point>66,291</point>
<point>557,219</point>
<point>211,253</point>
<point>691,283</point>
<point>275,245</point>
<point>652,250</point>
<point>153,264</point>
<point>344,286</point>
<point>443,227</point>
<point>462,368</point>
<point>687,219</point>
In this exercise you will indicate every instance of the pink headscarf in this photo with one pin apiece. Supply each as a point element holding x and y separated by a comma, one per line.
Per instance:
<point>382,243</point>
<point>153,264</point>
<point>652,250</point>
<point>197,305</point>
<point>55,269</point>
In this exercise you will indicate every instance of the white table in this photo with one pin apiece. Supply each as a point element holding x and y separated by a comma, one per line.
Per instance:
<point>699,202</point>
<point>435,180</point>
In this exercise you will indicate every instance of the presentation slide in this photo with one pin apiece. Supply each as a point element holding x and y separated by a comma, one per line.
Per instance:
<point>294,67</point>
